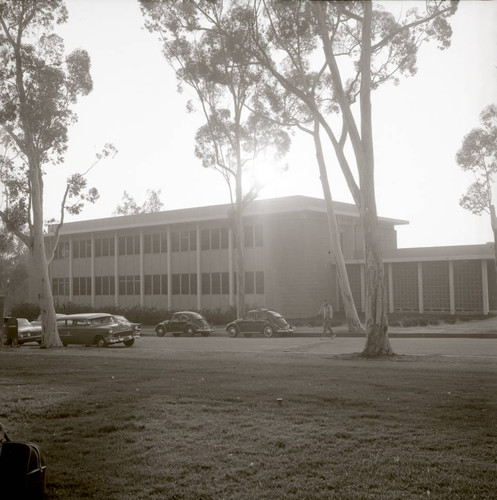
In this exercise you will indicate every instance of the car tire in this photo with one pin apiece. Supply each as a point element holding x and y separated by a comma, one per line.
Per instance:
<point>268,331</point>
<point>99,341</point>
<point>233,331</point>
<point>189,331</point>
<point>64,344</point>
<point>129,343</point>
<point>160,331</point>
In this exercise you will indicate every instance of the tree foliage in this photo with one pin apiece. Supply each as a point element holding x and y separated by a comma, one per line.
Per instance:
<point>39,86</point>
<point>129,205</point>
<point>478,155</point>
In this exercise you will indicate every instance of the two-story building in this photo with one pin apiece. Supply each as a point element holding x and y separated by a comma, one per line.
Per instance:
<point>184,259</point>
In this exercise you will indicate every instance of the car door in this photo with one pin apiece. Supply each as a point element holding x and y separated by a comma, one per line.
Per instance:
<point>260,320</point>
<point>177,323</point>
<point>247,323</point>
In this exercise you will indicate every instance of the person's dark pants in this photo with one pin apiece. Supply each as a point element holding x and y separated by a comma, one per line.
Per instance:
<point>327,327</point>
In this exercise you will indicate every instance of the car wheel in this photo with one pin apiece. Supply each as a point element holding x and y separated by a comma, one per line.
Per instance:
<point>232,331</point>
<point>160,331</point>
<point>99,341</point>
<point>64,344</point>
<point>189,331</point>
<point>268,331</point>
<point>38,342</point>
<point>129,343</point>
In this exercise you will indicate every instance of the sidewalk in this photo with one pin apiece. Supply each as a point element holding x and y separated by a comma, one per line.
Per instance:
<point>486,328</point>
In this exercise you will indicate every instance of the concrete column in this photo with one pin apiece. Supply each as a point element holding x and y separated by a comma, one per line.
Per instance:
<point>70,270</point>
<point>390,288</point>
<point>169,275</point>
<point>142,274</point>
<point>116,269</point>
<point>451,288</point>
<point>420,288</point>
<point>92,270</point>
<point>484,286</point>
<point>199,272</point>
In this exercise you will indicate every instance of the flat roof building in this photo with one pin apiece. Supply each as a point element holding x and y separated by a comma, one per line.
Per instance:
<point>183,259</point>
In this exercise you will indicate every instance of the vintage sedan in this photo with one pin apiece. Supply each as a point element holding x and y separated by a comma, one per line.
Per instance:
<point>99,329</point>
<point>186,322</point>
<point>26,332</point>
<point>263,321</point>
<point>124,321</point>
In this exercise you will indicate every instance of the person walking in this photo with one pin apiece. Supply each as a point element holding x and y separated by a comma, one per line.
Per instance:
<point>326,311</point>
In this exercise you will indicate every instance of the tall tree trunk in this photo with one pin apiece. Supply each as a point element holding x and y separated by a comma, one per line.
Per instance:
<point>377,343</point>
<point>50,334</point>
<point>240,268</point>
<point>353,321</point>
<point>493,221</point>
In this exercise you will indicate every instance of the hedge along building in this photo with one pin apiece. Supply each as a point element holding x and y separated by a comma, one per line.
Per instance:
<point>183,259</point>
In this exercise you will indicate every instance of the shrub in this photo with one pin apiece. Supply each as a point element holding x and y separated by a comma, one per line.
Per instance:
<point>25,310</point>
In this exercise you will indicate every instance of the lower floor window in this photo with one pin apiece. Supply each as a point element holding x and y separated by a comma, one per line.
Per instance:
<point>60,286</point>
<point>105,285</point>
<point>129,285</point>
<point>81,286</point>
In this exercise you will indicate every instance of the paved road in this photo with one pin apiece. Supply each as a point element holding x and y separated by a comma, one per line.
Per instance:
<point>485,348</point>
<point>151,346</point>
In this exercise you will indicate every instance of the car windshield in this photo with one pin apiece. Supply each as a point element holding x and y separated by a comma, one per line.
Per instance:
<point>197,316</point>
<point>276,315</point>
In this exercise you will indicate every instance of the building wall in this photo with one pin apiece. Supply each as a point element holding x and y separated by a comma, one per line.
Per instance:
<point>288,266</point>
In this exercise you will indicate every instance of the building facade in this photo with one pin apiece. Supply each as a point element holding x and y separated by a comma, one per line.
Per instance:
<point>184,259</point>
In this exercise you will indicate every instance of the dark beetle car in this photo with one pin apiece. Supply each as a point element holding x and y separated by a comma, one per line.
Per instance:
<point>269,323</point>
<point>99,329</point>
<point>186,322</point>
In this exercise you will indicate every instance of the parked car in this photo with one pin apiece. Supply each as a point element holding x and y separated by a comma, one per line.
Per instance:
<point>186,322</point>
<point>37,321</point>
<point>26,332</point>
<point>123,321</point>
<point>268,323</point>
<point>99,329</point>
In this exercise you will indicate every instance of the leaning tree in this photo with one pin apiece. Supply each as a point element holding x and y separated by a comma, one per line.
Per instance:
<point>39,85</point>
<point>364,46</point>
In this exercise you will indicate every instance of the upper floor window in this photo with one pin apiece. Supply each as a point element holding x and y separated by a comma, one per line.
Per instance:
<point>62,250</point>
<point>129,245</point>
<point>81,249</point>
<point>104,247</point>
<point>155,243</point>
<point>214,239</point>
<point>252,235</point>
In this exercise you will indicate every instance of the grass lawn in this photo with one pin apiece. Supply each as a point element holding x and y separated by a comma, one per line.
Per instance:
<point>210,426</point>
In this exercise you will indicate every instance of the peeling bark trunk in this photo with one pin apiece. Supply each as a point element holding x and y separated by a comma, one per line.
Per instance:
<point>353,322</point>
<point>50,335</point>
<point>493,221</point>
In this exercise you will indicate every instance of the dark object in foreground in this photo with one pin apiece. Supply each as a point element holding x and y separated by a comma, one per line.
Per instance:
<point>22,469</point>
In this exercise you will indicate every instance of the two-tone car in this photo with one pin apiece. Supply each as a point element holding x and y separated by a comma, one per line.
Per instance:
<point>99,329</point>
<point>260,321</point>
<point>184,323</point>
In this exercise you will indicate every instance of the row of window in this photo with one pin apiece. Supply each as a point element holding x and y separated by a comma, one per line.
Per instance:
<point>157,284</point>
<point>181,241</point>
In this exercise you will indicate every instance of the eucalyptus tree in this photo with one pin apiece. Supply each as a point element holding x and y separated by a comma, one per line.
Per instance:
<point>129,205</point>
<point>224,82</point>
<point>357,46</point>
<point>39,84</point>
<point>478,155</point>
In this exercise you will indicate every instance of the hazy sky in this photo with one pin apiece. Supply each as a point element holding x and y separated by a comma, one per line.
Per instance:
<point>419,126</point>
